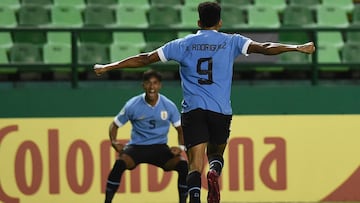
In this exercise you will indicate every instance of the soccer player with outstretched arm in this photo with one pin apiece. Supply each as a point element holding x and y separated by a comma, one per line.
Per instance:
<point>206,67</point>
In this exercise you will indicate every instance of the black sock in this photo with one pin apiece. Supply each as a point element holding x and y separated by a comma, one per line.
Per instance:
<point>194,185</point>
<point>182,169</point>
<point>113,181</point>
<point>216,163</point>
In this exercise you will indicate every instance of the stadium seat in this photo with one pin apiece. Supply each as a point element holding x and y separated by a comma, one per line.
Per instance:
<point>119,51</point>
<point>7,16</point>
<point>66,16</point>
<point>308,3</point>
<point>193,2</point>
<point>293,37</point>
<point>353,37</point>
<point>347,5</point>
<point>57,53</point>
<point>238,3</point>
<point>156,16</point>
<point>30,15</point>
<point>189,16</point>
<point>102,37</point>
<point>12,4</point>
<point>110,3</point>
<point>183,34</point>
<point>33,16</point>
<point>350,53</point>
<point>233,17</point>
<point>328,54</point>
<point>166,3</point>
<point>131,16</point>
<point>4,60</point>
<point>129,38</point>
<point>5,39</point>
<point>91,53</point>
<point>142,4</point>
<point>298,16</point>
<point>32,37</point>
<point>3,55</point>
<point>278,5</point>
<point>63,38</point>
<point>356,15</point>
<point>37,2</point>
<point>260,16</point>
<point>327,38</point>
<point>73,3</point>
<point>294,57</point>
<point>25,53</point>
<point>99,16</point>
<point>151,46</point>
<point>160,36</point>
<point>331,17</point>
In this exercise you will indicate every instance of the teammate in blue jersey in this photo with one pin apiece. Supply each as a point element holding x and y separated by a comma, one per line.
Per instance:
<point>206,66</point>
<point>150,114</point>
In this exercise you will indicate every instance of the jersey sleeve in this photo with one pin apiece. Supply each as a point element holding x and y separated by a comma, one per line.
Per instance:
<point>242,43</point>
<point>123,116</point>
<point>171,51</point>
<point>174,115</point>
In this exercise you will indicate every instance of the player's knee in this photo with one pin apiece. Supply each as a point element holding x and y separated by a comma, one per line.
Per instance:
<point>182,167</point>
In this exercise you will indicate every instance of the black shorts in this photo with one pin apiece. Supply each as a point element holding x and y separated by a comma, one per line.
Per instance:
<point>156,154</point>
<point>204,126</point>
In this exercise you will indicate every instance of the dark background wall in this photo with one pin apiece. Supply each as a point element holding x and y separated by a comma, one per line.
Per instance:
<point>107,100</point>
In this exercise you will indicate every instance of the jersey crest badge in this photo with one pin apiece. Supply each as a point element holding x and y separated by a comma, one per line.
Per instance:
<point>163,115</point>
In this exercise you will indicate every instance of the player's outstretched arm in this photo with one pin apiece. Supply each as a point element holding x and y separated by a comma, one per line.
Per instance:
<point>270,48</point>
<point>131,62</point>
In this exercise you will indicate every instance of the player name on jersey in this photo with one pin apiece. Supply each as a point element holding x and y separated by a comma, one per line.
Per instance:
<point>206,47</point>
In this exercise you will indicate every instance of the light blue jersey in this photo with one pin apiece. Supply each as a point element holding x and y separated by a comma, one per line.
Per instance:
<point>206,67</point>
<point>150,124</point>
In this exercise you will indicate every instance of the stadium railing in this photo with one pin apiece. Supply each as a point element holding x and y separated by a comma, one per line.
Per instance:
<point>74,64</point>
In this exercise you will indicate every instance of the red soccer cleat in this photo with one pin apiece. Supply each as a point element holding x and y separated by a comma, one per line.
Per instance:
<point>213,187</point>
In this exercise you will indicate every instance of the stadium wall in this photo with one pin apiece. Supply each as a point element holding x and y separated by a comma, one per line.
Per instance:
<point>101,100</point>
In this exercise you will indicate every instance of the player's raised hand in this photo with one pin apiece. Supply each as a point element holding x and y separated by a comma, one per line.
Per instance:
<point>99,69</point>
<point>308,48</point>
